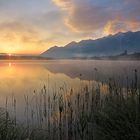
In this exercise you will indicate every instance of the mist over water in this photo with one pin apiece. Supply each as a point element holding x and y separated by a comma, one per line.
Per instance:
<point>20,78</point>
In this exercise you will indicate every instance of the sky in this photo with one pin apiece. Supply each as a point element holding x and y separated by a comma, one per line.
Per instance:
<point>33,26</point>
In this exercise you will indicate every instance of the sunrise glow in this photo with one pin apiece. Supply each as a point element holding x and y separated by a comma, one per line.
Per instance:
<point>9,64</point>
<point>70,69</point>
<point>9,54</point>
<point>57,22</point>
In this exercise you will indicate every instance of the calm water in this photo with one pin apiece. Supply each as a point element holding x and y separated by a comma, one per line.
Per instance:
<point>20,78</point>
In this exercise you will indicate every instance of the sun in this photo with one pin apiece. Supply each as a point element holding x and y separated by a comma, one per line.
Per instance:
<point>9,54</point>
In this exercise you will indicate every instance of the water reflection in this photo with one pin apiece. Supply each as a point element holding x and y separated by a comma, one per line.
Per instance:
<point>22,76</point>
<point>99,71</point>
<point>19,78</point>
<point>10,64</point>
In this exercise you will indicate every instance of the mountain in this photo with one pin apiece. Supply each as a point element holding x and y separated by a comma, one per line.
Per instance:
<point>107,46</point>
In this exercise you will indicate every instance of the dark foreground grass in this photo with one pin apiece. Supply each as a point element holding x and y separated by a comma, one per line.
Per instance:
<point>86,115</point>
<point>118,118</point>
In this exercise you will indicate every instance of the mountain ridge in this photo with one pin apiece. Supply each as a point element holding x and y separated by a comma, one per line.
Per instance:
<point>106,46</point>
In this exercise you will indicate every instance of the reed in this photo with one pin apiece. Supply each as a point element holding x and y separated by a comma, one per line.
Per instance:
<point>95,112</point>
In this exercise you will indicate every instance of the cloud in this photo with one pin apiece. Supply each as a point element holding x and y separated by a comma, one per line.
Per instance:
<point>110,16</point>
<point>38,25</point>
<point>19,36</point>
<point>63,3</point>
<point>86,17</point>
<point>14,30</point>
<point>116,26</point>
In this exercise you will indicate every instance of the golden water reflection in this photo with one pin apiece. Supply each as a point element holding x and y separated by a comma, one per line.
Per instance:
<point>10,64</point>
<point>19,78</point>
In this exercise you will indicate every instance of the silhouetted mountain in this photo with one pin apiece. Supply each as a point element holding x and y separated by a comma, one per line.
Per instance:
<point>106,46</point>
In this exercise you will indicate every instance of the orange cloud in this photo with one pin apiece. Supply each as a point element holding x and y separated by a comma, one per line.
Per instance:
<point>115,26</point>
<point>63,3</point>
<point>88,17</point>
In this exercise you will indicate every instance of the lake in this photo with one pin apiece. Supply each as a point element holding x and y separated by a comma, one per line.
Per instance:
<point>22,79</point>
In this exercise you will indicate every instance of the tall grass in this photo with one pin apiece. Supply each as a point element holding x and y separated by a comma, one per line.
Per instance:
<point>96,112</point>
